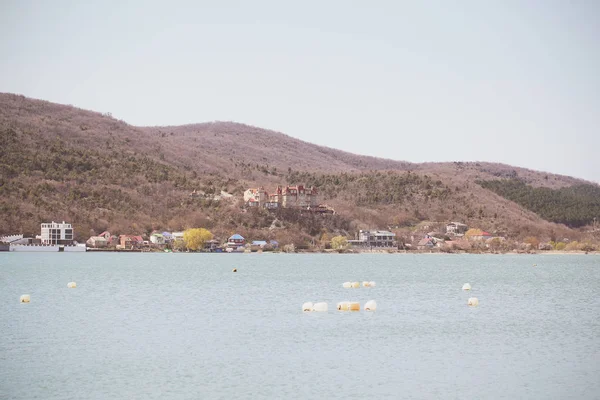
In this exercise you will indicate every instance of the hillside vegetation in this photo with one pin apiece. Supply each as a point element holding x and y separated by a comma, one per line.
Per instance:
<point>59,162</point>
<point>574,206</point>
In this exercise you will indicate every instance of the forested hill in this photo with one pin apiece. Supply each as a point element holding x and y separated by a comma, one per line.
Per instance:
<point>59,162</point>
<point>574,206</point>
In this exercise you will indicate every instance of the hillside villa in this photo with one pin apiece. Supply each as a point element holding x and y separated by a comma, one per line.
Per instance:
<point>456,228</point>
<point>295,197</point>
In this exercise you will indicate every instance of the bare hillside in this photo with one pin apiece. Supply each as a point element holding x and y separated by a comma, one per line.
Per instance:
<point>61,162</point>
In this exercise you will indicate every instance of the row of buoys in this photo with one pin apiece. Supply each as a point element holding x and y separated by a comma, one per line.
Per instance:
<point>316,307</point>
<point>473,301</point>
<point>357,284</point>
<point>25,298</point>
<point>370,305</point>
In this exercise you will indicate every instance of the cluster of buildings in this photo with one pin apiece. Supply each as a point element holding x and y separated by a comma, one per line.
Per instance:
<point>455,235</point>
<point>296,197</point>
<point>168,240</point>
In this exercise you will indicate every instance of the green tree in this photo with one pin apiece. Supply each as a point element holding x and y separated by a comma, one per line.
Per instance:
<point>178,245</point>
<point>339,243</point>
<point>195,238</point>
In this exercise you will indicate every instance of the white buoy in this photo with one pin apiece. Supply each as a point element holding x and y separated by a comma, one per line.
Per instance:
<point>355,284</point>
<point>366,283</point>
<point>347,285</point>
<point>71,285</point>
<point>371,305</point>
<point>372,284</point>
<point>466,286</point>
<point>348,306</point>
<point>473,301</point>
<point>320,307</point>
<point>25,298</point>
<point>308,306</point>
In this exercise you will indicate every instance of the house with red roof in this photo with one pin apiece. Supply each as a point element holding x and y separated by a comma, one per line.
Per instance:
<point>130,241</point>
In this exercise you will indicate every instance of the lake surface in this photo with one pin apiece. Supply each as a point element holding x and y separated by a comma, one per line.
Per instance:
<point>184,326</point>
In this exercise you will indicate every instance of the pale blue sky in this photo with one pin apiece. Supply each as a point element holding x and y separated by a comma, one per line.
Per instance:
<point>509,81</point>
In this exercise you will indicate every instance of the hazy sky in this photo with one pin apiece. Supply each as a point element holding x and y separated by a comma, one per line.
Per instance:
<point>516,82</point>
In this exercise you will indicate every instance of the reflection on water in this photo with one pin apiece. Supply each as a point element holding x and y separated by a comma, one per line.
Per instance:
<point>158,326</point>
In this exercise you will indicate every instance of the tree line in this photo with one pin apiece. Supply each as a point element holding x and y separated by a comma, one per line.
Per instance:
<point>574,206</point>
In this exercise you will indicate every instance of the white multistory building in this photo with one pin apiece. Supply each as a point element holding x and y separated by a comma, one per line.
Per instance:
<point>57,233</point>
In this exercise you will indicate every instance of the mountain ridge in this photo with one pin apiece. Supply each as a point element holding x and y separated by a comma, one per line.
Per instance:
<point>93,154</point>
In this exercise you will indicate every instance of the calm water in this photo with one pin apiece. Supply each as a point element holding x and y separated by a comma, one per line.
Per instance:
<point>183,326</point>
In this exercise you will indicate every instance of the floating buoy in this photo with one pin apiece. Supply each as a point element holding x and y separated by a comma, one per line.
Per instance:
<point>234,270</point>
<point>371,305</point>
<point>71,285</point>
<point>320,307</point>
<point>355,284</point>
<point>25,298</point>
<point>466,286</point>
<point>473,301</point>
<point>347,285</point>
<point>372,284</point>
<point>348,306</point>
<point>366,283</point>
<point>535,265</point>
<point>308,306</point>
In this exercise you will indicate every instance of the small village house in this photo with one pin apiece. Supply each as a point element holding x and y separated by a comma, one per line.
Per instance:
<point>481,237</point>
<point>177,236</point>
<point>236,241</point>
<point>157,238</point>
<point>211,245</point>
<point>97,242</point>
<point>130,241</point>
<point>426,243</point>
<point>258,245</point>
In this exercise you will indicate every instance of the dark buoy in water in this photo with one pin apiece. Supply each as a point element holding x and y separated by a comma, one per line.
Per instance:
<point>234,270</point>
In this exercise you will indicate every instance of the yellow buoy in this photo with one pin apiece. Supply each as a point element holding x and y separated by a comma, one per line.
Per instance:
<point>71,285</point>
<point>473,302</point>
<point>348,306</point>
<point>355,284</point>
<point>466,286</point>
<point>371,305</point>
<point>25,298</point>
<point>308,306</point>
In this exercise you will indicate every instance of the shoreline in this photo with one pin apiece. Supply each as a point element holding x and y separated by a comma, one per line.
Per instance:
<point>389,251</point>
